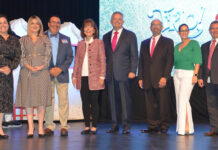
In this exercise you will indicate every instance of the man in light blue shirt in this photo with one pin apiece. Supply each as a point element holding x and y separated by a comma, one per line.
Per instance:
<point>62,56</point>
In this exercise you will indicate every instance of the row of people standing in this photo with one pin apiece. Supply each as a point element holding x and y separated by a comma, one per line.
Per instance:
<point>119,46</point>
<point>44,59</point>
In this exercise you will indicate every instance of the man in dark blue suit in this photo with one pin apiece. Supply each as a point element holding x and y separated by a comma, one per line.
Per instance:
<point>62,56</point>
<point>208,77</point>
<point>122,60</point>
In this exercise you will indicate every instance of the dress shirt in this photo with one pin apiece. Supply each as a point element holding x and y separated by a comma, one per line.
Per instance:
<point>156,40</point>
<point>85,68</point>
<point>54,44</point>
<point>118,35</point>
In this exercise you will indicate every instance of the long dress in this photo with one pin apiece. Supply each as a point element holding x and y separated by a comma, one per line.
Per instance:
<point>9,56</point>
<point>34,89</point>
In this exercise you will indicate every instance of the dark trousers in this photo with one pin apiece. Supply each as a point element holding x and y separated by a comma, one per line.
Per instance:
<point>119,90</point>
<point>89,103</point>
<point>157,108</point>
<point>212,105</point>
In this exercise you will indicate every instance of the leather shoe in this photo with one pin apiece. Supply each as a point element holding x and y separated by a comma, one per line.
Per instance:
<point>64,132</point>
<point>85,131</point>
<point>48,132</point>
<point>211,133</point>
<point>149,130</point>
<point>126,132</point>
<point>4,136</point>
<point>113,130</point>
<point>29,136</point>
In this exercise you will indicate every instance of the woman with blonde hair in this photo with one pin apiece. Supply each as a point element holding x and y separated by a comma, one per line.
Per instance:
<point>34,87</point>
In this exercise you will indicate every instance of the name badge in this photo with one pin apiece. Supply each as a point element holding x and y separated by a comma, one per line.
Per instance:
<point>64,41</point>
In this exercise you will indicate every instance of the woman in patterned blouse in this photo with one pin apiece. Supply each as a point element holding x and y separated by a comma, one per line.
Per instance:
<point>34,85</point>
<point>9,60</point>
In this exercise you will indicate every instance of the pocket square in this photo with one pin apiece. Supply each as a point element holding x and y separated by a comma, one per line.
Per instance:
<point>64,41</point>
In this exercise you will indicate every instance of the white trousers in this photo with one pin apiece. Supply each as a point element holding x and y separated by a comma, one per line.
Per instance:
<point>183,89</point>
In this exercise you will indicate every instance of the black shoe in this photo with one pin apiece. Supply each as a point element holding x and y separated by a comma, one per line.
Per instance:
<point>29,136</point>
<point>85,131</point>
<point>5,125</point>
<point>41,135</point>
<point>113,130</point>
<point>163,131</point>
<point>4,136</point>
<point>155,130</point>
<point>15,124</point>
<point>92,132</point>
<point>126,132</point>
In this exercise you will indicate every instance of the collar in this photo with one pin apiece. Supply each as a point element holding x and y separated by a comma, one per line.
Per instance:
<point>90,41</point>
<point>119,31</point>
<point>156,37</point>
<point>50,35</point>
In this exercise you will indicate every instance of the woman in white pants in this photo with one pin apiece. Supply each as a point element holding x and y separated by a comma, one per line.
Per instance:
<point>187,60</point>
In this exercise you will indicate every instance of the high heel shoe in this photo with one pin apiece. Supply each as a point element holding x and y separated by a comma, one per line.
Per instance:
<point>4,136</point>
<point>41,135</point>
<point>85,131</point>
<point>31,135</point>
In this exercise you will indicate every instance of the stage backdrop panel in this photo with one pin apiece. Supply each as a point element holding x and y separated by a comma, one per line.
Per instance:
<point>138,14</point>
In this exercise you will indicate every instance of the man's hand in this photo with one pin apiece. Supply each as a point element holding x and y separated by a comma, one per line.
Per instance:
<point>162,82</point>
<point>141,84</point>
<point>200,83</point>
<point>56,71</point>
<point>101,81</point>
<point>131,75</point>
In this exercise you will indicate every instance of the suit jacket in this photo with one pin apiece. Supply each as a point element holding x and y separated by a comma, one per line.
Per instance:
<point>64,58</point>
<point>160,65</point>
<point>125,58</point>
<point>203,71</point>
<point>96,63</point>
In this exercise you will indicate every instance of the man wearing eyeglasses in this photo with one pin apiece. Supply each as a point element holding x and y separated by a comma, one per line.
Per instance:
<point>208,77</point>
<point>155,65</point>
<point>62,57</point>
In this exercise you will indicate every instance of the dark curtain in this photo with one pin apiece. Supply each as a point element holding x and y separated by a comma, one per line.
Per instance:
<point>76,11</point>
<point>69,10</point>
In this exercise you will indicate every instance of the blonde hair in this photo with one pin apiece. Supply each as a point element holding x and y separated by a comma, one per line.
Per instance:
<point>39,22</point>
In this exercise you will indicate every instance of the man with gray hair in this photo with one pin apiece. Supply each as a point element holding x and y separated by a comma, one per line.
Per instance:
<point>122,60</point>
<point>155,66</point>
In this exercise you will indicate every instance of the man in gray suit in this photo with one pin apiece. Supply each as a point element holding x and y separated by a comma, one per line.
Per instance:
<point>62,56</point>
<point>122,59</point>
<point>208,77</point>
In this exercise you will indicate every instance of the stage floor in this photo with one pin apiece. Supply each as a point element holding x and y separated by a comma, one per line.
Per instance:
<point>104,141</point>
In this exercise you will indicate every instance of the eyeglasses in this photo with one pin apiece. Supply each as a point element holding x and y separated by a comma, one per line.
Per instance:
<point>182,31</point>
<point>53,22</point>
<point>213,28</point>
<point>156,25</point>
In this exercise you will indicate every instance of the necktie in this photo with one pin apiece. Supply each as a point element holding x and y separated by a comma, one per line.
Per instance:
<point>212,48</point>
<point>152,46</point>
<point>114,41</point>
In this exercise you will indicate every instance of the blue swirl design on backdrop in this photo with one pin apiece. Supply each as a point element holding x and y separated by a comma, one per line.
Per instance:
<point>172,19</point>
